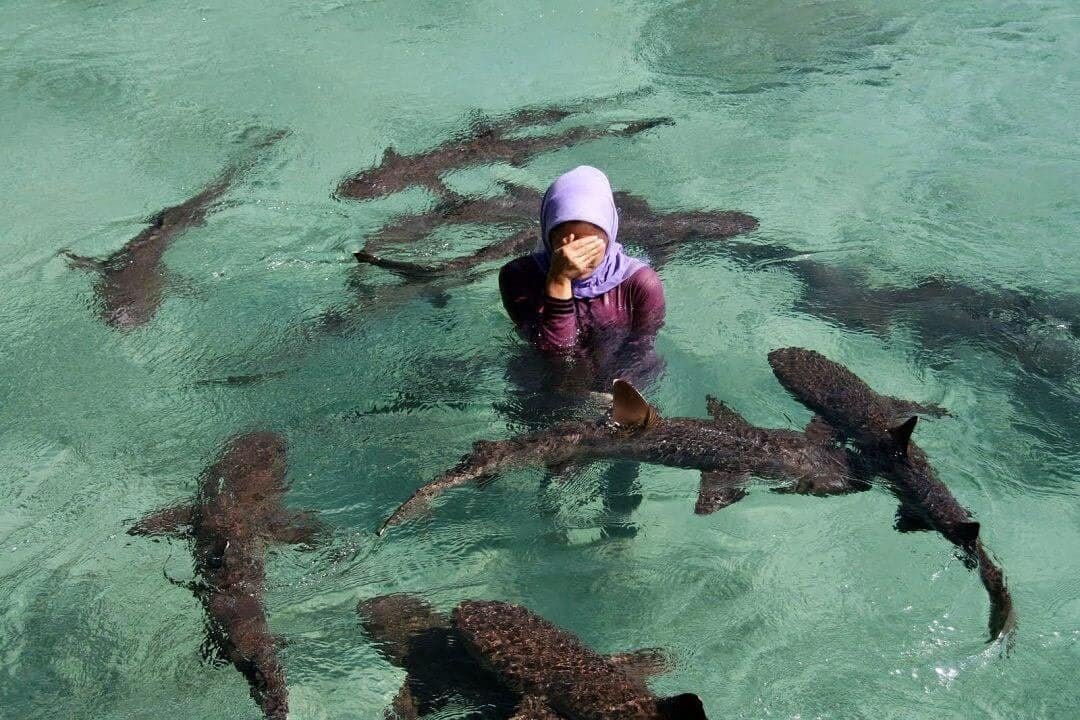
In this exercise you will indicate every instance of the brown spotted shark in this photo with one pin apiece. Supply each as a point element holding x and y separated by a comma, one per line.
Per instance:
<point>880,428</point>
<point>484,143</point>
<point>511,664</point>
<point>237,512</point>
<point>658,234</point>
<point>727,449</point>
<point>131,282</point>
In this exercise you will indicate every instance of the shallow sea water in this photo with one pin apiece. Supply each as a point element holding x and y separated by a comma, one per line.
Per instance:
<point>900,140</point>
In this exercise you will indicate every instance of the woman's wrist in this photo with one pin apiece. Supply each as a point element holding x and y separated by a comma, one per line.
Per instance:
<point>558,287</point>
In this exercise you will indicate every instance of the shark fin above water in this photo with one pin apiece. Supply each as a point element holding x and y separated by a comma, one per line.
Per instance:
<point>681,707</point>
<point>642,664</point>
<point>174,521</point>
<point>902,432</point>
<point>718,490</point>
<point>630,409</point>
<point>967,532</point>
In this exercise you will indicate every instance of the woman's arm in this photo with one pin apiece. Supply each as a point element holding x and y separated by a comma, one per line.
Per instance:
<point>547,322</point>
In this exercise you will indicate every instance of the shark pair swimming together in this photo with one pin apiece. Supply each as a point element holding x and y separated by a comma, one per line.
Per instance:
<point>857,435</point>
<point>511,664</point>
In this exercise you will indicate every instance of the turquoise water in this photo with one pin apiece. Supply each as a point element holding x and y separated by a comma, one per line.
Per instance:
<point>898,139</point>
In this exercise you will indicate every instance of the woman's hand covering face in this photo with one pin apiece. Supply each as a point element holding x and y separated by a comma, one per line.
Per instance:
<point>577,257</point>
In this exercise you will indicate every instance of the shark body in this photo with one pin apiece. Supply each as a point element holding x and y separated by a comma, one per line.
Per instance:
<point>237,512</point>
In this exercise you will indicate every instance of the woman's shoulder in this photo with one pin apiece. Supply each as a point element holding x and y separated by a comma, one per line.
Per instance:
<point>645,278</point>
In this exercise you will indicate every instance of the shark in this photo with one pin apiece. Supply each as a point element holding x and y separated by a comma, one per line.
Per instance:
<point>511,664</point>
<point>483,143</point>
<point>131,282</point>
<point>880,428</point>
<point>657,234</point>
<point>726,449</point>
<point>237,512</point>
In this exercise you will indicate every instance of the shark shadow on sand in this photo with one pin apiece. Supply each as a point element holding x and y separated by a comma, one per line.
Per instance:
<point>131,282</point>
<point>512,664</point>
<point>237,512</point>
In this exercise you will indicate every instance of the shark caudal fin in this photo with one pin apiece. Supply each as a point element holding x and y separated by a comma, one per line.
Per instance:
<point>630,409</point>
<point>681,707</point>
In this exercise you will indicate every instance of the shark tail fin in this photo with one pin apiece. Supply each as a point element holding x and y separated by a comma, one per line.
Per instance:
<point>681,707</point>
<point>902,432</point>
<point>630,408</point>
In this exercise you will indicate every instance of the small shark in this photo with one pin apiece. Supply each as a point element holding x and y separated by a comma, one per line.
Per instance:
<point>727,450</point>
<point>237,512</point>
<point>658,234</point>
<point>483,144</point>
<point>478,654</point>
<point>880,427</point>
<point>131,282</point>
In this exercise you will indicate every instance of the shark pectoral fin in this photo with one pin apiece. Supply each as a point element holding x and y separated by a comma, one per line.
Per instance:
<point>718,490</point>
<point>642,664</point>
<point>403,706</point>
<point>82,262</point>
<point>902,433</point>
<point>820,431</point>
<point>630,409</point>
<point>534,707</point>
<point>722,414</point>
<point>909,520</point>
<point>907,407</point>
<point>299,528</point>
<point>172,521</point>
<point>681,707</point>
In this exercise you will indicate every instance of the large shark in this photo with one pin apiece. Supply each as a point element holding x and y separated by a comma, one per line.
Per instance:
<point>657,234</point>
<point>509,663</point>
<point>484,143</point>
<point>727,449</point>
<point>131,282</point>
<point>880,427</point>
<point>237,512</point>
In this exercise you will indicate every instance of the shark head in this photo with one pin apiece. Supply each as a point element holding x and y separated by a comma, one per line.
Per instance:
<point>253,462</point>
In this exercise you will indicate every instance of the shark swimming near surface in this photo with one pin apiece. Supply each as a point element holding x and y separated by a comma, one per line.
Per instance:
<point>483,143</point>
<point>131,282</point>
<point>726,449</point>
<point>657,234</point>
<point>237,512</point>
<point>880,427</point>
<point>511,664</point>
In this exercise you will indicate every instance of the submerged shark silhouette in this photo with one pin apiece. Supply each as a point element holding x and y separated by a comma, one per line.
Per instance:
<point>237,511</point>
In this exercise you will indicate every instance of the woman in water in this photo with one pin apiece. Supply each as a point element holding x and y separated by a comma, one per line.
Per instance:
<point>580,281</point>
<point>593,310</point>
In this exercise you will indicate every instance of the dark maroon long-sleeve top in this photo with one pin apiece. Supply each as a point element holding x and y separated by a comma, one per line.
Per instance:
<point>635,306</point>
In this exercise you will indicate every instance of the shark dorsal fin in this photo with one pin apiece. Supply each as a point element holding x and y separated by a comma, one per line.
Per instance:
<point>630,409</point>
<point>902,432</point>
<point>681,707</point>
<point>967,532</point>
<point>389,155</point>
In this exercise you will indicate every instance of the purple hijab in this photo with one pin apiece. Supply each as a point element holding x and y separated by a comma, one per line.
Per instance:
<point>584,194</point>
